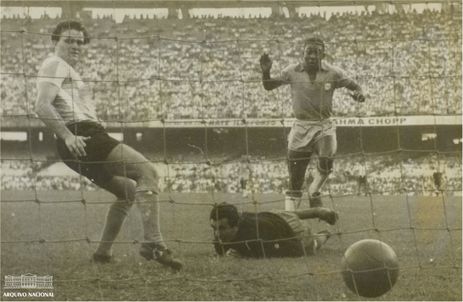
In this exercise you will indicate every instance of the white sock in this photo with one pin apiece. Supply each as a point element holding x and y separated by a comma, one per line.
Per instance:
<point>148,205</point>
<point>292,203</point>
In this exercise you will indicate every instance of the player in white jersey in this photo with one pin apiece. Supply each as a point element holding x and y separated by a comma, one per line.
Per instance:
<point>312,84</point>
<point>64,104</point>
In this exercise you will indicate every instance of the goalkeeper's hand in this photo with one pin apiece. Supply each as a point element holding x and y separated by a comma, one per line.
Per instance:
<point>232,253</point>
<point>358,96</point>
<point>265,62</point>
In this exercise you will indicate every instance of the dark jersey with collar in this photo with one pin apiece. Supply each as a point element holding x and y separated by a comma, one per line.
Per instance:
<point>264,234</point>
<point>313,100</point>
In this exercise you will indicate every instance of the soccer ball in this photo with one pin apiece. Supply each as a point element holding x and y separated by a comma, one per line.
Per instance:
<point>370,268</point>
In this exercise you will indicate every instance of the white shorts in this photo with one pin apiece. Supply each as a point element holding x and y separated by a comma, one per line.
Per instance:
<point>304,134</point>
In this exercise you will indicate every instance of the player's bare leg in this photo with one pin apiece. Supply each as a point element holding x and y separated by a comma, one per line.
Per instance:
<point>124,189</point>
<point>126,161</point>
<point>297,166</point>
<point>326,148</point>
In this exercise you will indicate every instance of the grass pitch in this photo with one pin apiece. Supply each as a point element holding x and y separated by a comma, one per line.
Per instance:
<point>58,238</point>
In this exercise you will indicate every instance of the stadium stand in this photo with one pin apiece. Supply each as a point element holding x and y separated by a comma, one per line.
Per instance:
<point>386,175</point>
<point>207,67</point>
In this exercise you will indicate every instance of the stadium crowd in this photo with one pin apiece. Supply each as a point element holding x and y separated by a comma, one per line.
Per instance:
<point>385,174</point>
<point>27,175</point>
<point>150,69</point>
<point>408,63</point>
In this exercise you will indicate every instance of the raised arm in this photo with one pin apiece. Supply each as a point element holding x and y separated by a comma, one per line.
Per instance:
<point>267,81</point>
<point>47,93</point>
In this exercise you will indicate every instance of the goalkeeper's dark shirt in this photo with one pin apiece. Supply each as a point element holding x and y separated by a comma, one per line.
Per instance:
<point>264,234</point>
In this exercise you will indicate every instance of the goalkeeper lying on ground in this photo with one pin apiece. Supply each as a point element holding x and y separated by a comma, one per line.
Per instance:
<point>267,234</point>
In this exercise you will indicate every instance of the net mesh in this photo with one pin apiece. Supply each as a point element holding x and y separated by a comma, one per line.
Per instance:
<point>188,95</point>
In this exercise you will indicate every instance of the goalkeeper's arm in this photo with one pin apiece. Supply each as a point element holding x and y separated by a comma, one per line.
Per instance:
<point>220,249</point>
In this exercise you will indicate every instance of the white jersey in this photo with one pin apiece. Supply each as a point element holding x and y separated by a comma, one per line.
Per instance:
<point>73,102</point>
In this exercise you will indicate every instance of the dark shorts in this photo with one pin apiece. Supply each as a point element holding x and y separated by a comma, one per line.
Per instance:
<point>97,148</point>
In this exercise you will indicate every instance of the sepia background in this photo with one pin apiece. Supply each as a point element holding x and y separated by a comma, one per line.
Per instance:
<point>180,81</point>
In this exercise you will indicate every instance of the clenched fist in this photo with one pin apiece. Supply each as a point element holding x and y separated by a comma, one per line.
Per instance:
<point>265,63</point>
<point>358,96</point>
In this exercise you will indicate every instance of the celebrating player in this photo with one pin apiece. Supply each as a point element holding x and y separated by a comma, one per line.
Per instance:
<point>64,105</point>
<point>313,82</point>
<point>267,234</point>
